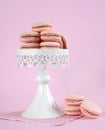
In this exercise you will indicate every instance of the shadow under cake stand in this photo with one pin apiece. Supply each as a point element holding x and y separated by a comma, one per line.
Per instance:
<point>43,104</point>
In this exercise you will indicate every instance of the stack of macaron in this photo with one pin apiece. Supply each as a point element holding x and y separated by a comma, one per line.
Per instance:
<point>43,36</point>
<point>73,103</point>
<point>52,39</point>
<point>76,105</point>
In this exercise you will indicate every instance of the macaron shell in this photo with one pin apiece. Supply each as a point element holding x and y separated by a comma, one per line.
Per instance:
<point>41,25</point>
<point>40,29</point>
<point>50,33</point>
<point>88,114</point>
<point>74,103</point>
<point>77,113</point>
<point>49,47</point>
<point>91,107</point>
<point>50,44</point>
<point>29,34</point>
<point>72,108</point>
<point>74,97</point>
<point>30,45</point>
<point>51,38</point>
<point>30,39</point>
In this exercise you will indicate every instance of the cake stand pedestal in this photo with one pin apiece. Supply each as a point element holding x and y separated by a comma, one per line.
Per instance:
<point>43,104</point>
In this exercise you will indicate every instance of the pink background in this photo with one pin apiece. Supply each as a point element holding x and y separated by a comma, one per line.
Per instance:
<point>83,24</point>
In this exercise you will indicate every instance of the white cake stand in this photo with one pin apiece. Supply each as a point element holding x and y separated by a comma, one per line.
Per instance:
<point>43,105</point>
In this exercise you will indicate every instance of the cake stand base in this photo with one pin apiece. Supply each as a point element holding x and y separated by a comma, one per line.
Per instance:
<point>43,105</point>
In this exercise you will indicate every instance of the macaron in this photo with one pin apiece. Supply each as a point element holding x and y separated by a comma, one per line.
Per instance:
<point>50,45</point>
<point>90,109</point>
<point>30,45</point>
<point>64,42</point>
<point>30,37</point>
<point>72,108</point>
<point>50,33</point>
<point>75,113</point>
<point>74,99</point>
<point>39,27</point>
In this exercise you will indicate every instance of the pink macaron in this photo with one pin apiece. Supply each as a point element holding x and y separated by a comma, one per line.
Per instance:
<point>72,108</point>
<point>73,113</point>
<point>90,109</point>
<point>39,27</point>
<point>29,45</point>
<point>30,37</point>
<point>50,45</point>
<point>64,42</point>
<point>74,99</point>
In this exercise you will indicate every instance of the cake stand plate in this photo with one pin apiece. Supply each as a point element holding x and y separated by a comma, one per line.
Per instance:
<point>43,104</point>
